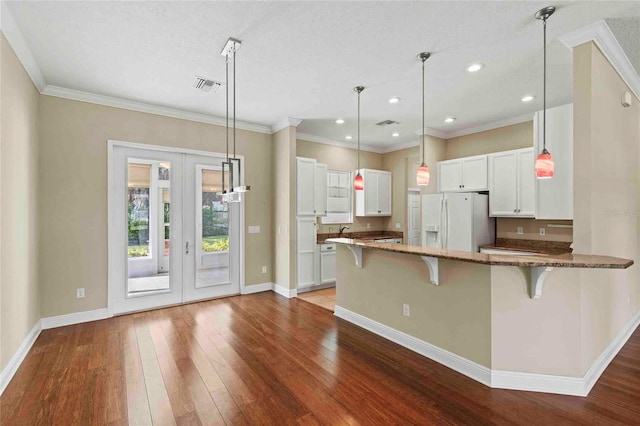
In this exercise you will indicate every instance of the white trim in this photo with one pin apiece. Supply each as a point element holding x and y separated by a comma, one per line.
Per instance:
<point>407,145</point>
<point>20,47</point>
<point>114,102</point>
<point>75,318</point>
<point>490,126</point>
<point>284,123</point>
<point>286,292</point>
<point>111,143</point>
<point>319,139</point>
<point>16,360</point>
<point>564,385</point>
<point>256,288</point>
<point>462,365</point>
<point>431,132</point>
<point>600,33</point>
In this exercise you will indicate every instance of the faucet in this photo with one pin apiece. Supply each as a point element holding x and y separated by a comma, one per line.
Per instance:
<point>342,228</point>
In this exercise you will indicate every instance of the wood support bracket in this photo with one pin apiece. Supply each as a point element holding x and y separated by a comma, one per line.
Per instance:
<point>432,264</point>
<point>357,254</point>
<point>538,276</point>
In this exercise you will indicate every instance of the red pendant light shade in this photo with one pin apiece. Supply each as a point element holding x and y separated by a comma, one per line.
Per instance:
<point>358,182</point>
<point>544,165</point>
<point>423,175</point>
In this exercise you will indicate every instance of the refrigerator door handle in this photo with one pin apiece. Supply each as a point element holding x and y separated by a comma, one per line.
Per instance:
<point>445,231</point>
<point>441,231</point>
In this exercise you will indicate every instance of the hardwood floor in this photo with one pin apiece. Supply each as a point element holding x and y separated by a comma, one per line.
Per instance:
<point>264,359</point>
<point>325,298</point>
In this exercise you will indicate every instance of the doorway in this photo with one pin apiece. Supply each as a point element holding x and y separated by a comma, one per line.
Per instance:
<point>172,237</point>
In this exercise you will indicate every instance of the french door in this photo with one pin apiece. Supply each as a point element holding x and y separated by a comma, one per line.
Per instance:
<point>172,237</point>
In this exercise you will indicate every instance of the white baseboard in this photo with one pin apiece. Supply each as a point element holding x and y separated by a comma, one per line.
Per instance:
<point>16,360</point>
<point>75,318</point>
<point>565,385</point>
<point>256,288</point>
<point>286,292</point>
<point>462,365</point>
<point>316,287</point>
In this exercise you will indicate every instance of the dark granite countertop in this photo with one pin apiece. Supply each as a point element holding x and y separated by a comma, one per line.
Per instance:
<point>533,246</point>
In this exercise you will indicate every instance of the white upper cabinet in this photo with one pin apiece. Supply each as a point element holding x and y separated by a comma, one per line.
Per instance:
<point>554,197</point>
<point>311,187</point>
<point>375,199</point>
<point>511,183</point>
<point>463,174</point>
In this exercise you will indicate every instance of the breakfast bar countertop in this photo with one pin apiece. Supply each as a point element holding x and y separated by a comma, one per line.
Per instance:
<point>566,260</point>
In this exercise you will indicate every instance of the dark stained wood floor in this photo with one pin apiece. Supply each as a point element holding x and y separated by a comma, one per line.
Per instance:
<point>263,359</point>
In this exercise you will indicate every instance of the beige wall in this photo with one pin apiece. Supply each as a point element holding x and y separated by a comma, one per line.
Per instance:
<point>606,197</point>
<point>73,187</point>
<point>508,228</point>
<point>495,140</point>
<point>343,159</point>
<point>20,294</point>
<point>455,316</point>
<point>284,171</point>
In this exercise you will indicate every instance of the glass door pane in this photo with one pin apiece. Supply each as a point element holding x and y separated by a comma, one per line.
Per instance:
<point>212,229</point>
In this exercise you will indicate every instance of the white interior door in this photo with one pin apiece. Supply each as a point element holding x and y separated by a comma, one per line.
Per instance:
<point>413,219</point>
<point>211,232</point>
<point>171,238</point>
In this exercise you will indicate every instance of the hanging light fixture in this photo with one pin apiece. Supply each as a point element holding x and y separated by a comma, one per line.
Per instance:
<point>358,182</point>
<point>544,166</point>
<point>423,175</point>
<point>233,164</point>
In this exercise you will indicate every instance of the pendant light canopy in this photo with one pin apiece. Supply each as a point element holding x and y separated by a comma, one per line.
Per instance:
<point>358,182</point>
<point>423,175</point>
<point>232,164</point>
<point>544,166</point>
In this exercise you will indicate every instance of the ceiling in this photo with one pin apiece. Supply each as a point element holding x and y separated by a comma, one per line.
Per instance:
<point>302,59</point>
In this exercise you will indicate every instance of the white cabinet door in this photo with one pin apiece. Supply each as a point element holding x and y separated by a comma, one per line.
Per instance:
<point>320,193</point>
<point>384,193</point>
<point>526,183</point>
<point>503,184</point>
<point>554,197</point>
<point>327,267</point>
<point>450,176</point>
<point>305,185</point>
<point>474,173</point>
<point>370,192</point>
<point>306,249</point>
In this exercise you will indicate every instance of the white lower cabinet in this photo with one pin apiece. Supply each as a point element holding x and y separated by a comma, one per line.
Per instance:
<point>511,183</point>
<point>328,266</point>
<point>305,251</point>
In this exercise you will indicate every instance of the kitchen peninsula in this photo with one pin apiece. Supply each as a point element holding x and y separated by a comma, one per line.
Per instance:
<point>483,315</point>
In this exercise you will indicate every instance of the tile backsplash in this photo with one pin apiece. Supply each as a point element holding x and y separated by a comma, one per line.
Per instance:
<point>508,228</point>
<point>359,224</point>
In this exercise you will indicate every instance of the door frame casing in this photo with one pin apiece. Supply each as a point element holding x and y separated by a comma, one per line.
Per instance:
<point>112,245</point>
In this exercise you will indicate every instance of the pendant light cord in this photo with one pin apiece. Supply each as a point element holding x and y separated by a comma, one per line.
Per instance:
<point>227,101</point>
<point>544,85</point>
<point>358,132</point>
<point>423,132</point>
<point>234,100</point>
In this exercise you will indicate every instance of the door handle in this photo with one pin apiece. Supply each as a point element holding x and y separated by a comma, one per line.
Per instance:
<point>186,247</point>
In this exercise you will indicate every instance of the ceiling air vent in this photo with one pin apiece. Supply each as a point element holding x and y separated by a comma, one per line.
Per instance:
<point>386,123</point>
<point>206,85</point>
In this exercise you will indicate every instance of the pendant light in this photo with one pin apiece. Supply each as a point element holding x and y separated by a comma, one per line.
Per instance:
<point>358,182</point>
<point>233,164</point>
<point>544,166</point>
<point>423,175</point>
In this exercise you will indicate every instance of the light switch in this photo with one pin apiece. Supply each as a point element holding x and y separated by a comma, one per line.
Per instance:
<point>254,229</point>
<point>520,230</point>
<point>398,226</point>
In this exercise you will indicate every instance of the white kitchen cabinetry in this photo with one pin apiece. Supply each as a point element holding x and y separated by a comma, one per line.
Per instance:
<point>375,199</point>
<point>327,263</point>
<point>554,197</point>
<point>311,187</point>
<point>511,183</point>
<point>467,174</point>
<point>306,249</point>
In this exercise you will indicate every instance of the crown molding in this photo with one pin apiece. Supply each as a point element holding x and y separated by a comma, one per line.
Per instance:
<point>406,145</point>
<point>490,126</point>
<point>114,102</point>
<point>284,123</point>
<point>20,47</point>
<point>600,33</point>
<point>318,139</point>
<point>431,132</point>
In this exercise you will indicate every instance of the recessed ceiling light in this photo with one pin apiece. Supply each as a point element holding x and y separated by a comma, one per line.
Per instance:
<point>348,137</point>
<point>449,119</point>
<point>339,121</point>
<point>395,134</point>
<point>475,67</point>
<point>528,98</point>
<point>394,100</point>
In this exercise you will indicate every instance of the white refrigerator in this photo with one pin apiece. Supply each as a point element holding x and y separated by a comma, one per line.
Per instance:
<point>456,221</point>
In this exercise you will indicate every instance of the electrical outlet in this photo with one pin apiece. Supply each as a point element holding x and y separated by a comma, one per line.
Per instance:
<point>406,310</point>
<point>254,229</point>
<point>398,226</point>
<point>520,230</point>
<point>264,269</point>
<point>79,293</point>
<point>368,225</point>
<point>543,231</point>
